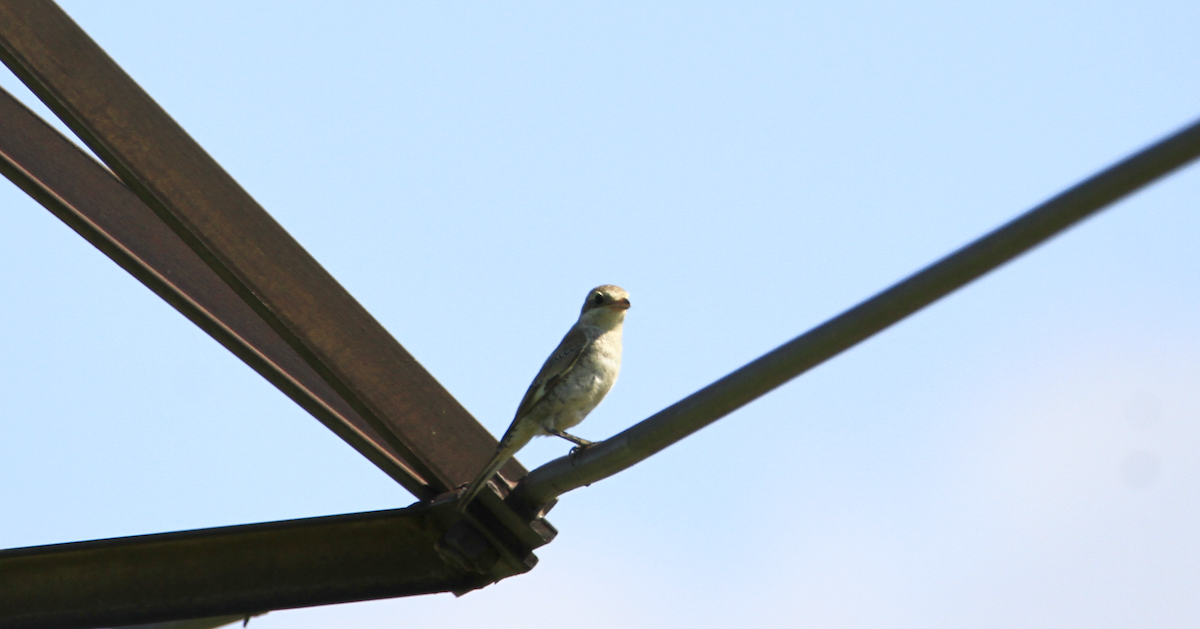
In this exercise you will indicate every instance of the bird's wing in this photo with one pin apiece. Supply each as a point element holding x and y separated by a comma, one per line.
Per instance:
<point>557,366</point>
<point>561,360</point>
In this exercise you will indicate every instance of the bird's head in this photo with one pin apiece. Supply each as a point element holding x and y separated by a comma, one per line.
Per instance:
<point>605,306</point>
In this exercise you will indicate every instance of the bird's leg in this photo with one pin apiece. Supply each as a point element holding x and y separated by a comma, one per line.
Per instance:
<point>582,443</point>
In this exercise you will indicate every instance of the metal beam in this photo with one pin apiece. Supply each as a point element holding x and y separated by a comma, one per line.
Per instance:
<point>244,570</point>
<point>195,623</point>
<point>858,323</point>
<point>93,202</point>
<point>246,248</point>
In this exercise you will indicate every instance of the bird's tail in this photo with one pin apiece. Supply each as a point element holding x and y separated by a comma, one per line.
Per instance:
<point>504,452</point>
<point>493,466</point>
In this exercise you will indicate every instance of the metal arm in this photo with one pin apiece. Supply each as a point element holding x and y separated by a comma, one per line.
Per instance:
<point>860,322</point>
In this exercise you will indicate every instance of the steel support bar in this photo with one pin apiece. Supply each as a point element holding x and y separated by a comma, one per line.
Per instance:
<point>247,249</point>
<point>860,322</point>
<point>89,199</point>
<point>196,623</point>
<point>243,570</point>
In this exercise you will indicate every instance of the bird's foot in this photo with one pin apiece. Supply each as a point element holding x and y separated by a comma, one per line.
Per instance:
<point>579,448</point>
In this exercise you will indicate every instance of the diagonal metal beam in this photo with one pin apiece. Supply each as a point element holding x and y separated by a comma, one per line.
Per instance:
<point>858,323</point>
<point>247,249</point>
<point>248,569</point>
<point>93,202</point>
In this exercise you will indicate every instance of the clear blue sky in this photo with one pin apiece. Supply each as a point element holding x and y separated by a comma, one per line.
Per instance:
<point>1024,453</point>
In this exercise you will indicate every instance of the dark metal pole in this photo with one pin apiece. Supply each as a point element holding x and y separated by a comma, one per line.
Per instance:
<point>238,571</point>
<point>860,322</point>
<point>196,623</point>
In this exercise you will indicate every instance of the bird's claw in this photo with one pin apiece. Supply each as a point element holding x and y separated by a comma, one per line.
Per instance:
<point>580,448</point>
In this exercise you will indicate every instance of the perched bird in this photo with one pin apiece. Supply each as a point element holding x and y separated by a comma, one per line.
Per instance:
<point>578,374</point>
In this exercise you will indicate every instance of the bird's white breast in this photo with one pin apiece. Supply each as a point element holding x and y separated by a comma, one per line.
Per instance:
<point>587,384</point>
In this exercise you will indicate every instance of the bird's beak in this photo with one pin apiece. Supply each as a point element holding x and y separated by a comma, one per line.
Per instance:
<point>620,305</point>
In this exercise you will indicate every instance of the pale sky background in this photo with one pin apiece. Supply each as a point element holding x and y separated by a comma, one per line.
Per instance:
<point>1025,453</point>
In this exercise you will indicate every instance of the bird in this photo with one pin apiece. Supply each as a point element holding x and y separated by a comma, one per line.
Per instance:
<point>572,382</point>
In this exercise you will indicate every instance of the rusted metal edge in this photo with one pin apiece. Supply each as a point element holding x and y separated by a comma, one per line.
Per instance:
<point>244,570</point>
<point>94,203</point>
<point>859,323</point>
<point>235,237</point>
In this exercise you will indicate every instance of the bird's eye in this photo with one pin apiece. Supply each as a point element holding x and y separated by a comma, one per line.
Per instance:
<point>598,299</point>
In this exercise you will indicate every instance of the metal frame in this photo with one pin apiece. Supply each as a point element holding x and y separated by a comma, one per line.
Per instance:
<point>231,570</point>
<point>271,273</point>
<point>176,221</point>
